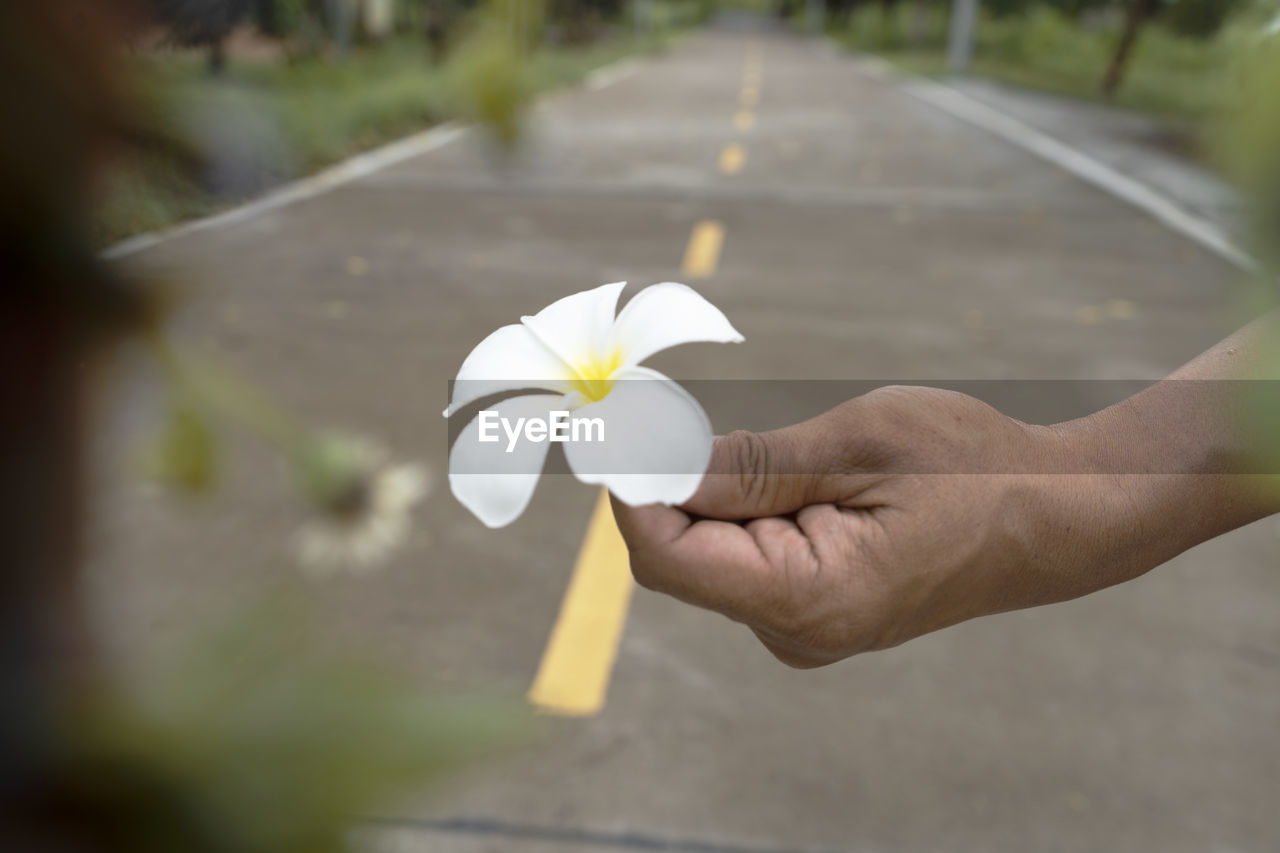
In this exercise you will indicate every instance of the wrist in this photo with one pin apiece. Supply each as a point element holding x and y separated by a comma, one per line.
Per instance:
<point>1092,527</point>
<point>1153,476</point>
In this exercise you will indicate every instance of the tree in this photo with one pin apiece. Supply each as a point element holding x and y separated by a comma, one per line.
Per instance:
<point>280,18</point>
<point>202,23</point>
<point>1138,11</point>
<point>1197,18</point>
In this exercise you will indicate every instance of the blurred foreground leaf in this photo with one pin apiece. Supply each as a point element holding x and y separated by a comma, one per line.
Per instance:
<point>250,744</point>
<point>1249,142</point>
<point>185,455</point>
<point>492,74</point>
<point>490,82</point>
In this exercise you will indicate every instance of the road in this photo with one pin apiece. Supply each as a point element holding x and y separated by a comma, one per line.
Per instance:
<point>863,235</point>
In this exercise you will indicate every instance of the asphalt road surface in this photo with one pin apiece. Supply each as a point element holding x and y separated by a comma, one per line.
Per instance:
<point>851,231</point>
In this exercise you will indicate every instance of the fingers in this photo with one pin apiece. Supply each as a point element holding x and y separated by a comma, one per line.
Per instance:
<point>828,459</point>
<point>793,655</point>
<point>648,526</point>
<point>833,458</point>
<point>717,565</point>
<point>771,574</point>
<point>754,474</point>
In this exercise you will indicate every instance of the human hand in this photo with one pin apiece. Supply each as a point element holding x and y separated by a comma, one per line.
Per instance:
<point>892,515</point>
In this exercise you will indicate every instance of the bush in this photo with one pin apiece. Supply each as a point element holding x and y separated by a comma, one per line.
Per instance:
<point>1046,49</point>
<point>1197,18</point>
<point>280,18</point>
<point>199,22</point>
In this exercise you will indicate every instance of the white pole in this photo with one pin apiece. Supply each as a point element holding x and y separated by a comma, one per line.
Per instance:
<point>339,12</point>
<point>815,15</point>
<point>960,42</point>
<point>642,13</point>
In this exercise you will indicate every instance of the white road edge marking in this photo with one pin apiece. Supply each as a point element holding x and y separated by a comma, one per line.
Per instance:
<point>345,171</point>
<point>327,179</point>
<point>1072,160</point>
<point>607,75</point>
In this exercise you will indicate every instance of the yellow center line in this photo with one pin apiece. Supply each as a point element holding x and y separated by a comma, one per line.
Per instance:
<point>732,158</point>
<point>573,677</point>
<point>703,253</point>
<point>749,97</point>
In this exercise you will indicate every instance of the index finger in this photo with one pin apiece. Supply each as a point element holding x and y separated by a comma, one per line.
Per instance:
<point>717,565</point>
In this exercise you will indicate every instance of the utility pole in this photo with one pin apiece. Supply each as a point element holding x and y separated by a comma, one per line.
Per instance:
<point>339,14</point>
<point>642,18</point>
<point>960,41</point>
<point>815,16</point>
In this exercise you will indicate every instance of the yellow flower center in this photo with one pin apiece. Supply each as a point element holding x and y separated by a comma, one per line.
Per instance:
<point>595,374</point>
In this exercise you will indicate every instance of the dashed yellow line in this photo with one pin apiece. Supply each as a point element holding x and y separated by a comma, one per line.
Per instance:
<point>1088,315</point>
<point>1120,309</point>
<point>702,255</point>
<point>732,158</point>
<point>573,677</point>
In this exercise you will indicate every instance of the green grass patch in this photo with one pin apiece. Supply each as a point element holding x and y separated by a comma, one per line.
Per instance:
<point>1167,75</point>
<point>261,123</point>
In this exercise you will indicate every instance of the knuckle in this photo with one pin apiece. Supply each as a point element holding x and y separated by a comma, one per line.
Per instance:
<point>750,457</point>
<point>890,396</point>
<point>890,406</point>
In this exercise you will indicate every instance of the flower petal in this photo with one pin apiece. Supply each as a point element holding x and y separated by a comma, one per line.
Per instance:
<point>494,484</point>
<point>510,359</point>
<point>577,327</point>
<point>657,440</point>
<point>664,315</point>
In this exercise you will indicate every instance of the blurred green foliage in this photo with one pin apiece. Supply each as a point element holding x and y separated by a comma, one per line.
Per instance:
<point>281,18</point>
<point>1200,18</point>
<point>252,739</point>
<point>1248,144</point>
<point>1169,74</point>
<point>305,110</point>
<point>185,455</point>
<point>490,84</point>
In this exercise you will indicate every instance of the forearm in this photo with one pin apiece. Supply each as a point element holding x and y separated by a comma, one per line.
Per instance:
<point>928,507</point>
<point>1190,457</point>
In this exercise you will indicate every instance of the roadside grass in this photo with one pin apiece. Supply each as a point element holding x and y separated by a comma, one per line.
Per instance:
<point>261,123</point>
<point>1168,75</point>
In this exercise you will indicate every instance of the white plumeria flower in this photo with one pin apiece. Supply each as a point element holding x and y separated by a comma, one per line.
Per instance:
<point>657,439</point>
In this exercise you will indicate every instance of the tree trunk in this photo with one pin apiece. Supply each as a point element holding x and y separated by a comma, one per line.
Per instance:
<point>918,26</point>
<point>437,29</point>
<point>1132,24</point>
<point>60,306</point>
<point>217,56</point>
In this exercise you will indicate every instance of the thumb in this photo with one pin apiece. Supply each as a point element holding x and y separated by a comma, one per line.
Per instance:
<point>754,474</point>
